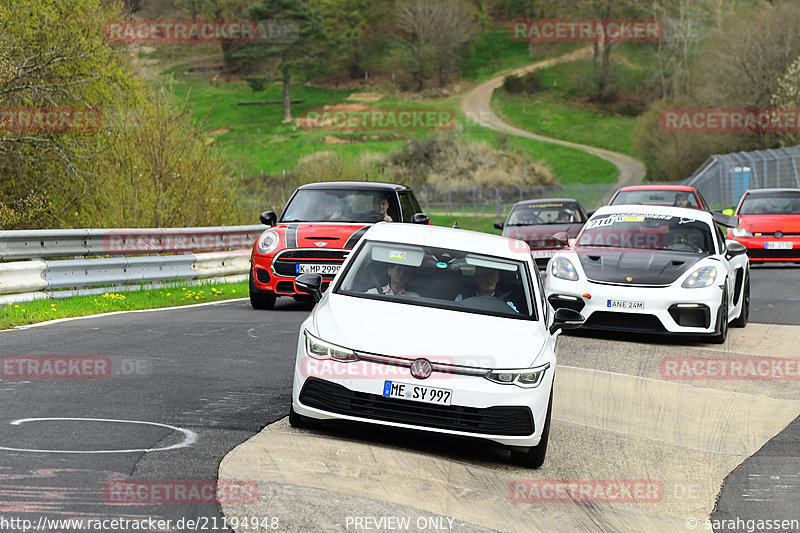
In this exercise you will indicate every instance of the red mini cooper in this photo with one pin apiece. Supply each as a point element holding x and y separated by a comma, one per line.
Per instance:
<point>318,227</point>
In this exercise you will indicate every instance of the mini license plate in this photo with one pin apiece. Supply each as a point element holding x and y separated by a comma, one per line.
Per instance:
<point>625,304</point>
<point>778,245</point>
<point>416,393</point>
<point>307,268</point>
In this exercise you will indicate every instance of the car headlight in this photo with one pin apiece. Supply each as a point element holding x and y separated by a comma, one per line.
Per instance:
<point>267,242</point>
<point>702,277</point>
<point>320,349</point>
<point>561,267</point>
<point>527,378</point>
<point>741,232</point>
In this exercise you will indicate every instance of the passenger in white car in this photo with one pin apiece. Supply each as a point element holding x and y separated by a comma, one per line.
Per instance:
<point>398,278</point>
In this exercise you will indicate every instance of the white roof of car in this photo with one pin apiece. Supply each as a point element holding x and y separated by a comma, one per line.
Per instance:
<point>456,239</point>
<point>685,212</point>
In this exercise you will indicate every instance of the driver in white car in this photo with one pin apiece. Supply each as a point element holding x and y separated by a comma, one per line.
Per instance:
<point>485,284</point>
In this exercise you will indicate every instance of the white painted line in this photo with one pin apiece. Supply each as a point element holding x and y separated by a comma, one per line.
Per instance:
<point>69,318</point>
<point>189,437</point>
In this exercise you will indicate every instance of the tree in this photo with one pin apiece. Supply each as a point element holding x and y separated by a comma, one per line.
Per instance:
<point>431,34</point>
<point>300,56</point>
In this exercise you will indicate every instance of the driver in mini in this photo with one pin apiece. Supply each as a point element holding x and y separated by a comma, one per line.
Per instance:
<point>381,205</point>
<point>485,283</point>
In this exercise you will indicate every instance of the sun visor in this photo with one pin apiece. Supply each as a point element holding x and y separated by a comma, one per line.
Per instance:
<point>398,254</point>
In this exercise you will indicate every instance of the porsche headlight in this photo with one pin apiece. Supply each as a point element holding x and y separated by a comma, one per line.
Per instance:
<point>741,232</point>
<point>527,378</point>
<point>267,242</point>
<point>562,268</point>
<point>320,349</point>
<point>702,277</point>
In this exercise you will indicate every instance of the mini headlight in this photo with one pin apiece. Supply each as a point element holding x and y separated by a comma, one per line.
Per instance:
<point>267,242</point>
<point>702,277</point>
<point>561,267</point>
<point>319,349</point>
<point>741,232</point>
<point>523,377</point>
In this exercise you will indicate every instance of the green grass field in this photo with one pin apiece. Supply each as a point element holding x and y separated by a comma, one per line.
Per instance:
<point>19,314</point>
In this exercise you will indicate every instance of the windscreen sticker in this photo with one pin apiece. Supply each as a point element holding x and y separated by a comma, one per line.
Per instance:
<point>399,255</point>
<point>624,217</point>
<point>539,206</point>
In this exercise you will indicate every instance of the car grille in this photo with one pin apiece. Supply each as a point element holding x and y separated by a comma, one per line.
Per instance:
<point>284,263</point>
<point>691,317</point>
<point>334,398</point>
<point>262,275</point>
<point>624,322</point>
<point>557,303</point>
<point>762,253</point>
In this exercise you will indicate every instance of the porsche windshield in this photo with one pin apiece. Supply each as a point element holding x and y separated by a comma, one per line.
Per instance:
<point>647,232</point>
<point>441,278</point>
<point>336,205</point>
<point>545,213</point>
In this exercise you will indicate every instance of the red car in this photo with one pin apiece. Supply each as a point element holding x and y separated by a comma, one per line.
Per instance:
<point>318,227</point>
<point>675,195</point>
<point>769,224</point>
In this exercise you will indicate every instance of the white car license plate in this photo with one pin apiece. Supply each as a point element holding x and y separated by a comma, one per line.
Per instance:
<point>625,304</point>
<point>306,268</point>
<point>416,393</point>
<point>778,245</point>
<point>536,254</point>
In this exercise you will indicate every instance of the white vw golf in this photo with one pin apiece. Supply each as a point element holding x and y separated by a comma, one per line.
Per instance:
<point>434,329</point>
<point>653,269</point>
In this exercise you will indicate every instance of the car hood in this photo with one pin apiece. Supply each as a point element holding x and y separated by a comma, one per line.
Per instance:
<point>439,335</point>
<point>539,237</point>
<point>322,236</point>
<point>770,223</point>
<point>644,267</point>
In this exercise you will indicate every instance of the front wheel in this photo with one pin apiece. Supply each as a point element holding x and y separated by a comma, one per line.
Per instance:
<point>260,299</point>
<point>744,315</point>
<point>722,321</point>
<point>299,421</point>
<point>533,457</point>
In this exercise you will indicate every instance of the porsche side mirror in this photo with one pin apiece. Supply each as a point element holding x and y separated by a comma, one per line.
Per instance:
<point>498,225</point>
<point>562,238</point>
<point>269,218</point>
<point>420,218</point>
<point>565,318</point>
<point>735,248</point>
<point>310,284</point>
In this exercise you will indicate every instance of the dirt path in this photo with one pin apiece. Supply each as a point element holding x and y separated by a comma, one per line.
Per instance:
<point>476,105</point>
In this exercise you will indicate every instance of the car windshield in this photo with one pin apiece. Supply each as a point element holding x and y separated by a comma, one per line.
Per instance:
<point>777,203</point>
<point>440,278</point>
<point>663,197</point>
<point>647,232</point>
<point>337,205</point>
<point>548,213</point>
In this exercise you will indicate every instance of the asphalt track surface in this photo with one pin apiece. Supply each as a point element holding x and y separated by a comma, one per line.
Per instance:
<point>221,372</point>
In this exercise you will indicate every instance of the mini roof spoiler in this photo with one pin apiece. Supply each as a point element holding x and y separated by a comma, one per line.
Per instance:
<point>729,221</point>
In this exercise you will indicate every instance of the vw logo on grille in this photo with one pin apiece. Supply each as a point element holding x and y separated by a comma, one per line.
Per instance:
<point>778,235</point>
<point>421,369</point>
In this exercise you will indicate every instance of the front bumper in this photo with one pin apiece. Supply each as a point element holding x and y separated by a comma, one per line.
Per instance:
<point>757,249</point>
<point>275,273</point>
<point>506,414</point>
<point>670,309</point>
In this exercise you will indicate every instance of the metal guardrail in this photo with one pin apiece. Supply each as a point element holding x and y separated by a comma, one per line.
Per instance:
<point>38,278</point>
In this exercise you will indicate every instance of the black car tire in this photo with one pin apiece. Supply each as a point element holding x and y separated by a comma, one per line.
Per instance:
<point>299,421</point>
<point>260,299</point>
<point>744,315</point>
<point>534,456</point>
<point>722,320</point>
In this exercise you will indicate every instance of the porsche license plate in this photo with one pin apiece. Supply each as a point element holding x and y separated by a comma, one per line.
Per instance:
<point>778,245</point>
<point>416,393</point>
<point>625,304</point>
<point>306,268</point>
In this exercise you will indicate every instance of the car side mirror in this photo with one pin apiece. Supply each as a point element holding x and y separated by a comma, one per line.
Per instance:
<point>562,238</point>
<point>420,218</point>
<point>269,218</point>
<point>310,284</point>
<point>590,213</point>
<point>728,211</point>
<point>735,248</point>
<point>565,318</point>
<point>498,225</point>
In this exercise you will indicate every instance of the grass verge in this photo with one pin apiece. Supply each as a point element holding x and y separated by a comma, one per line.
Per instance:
<point>19,314</point>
